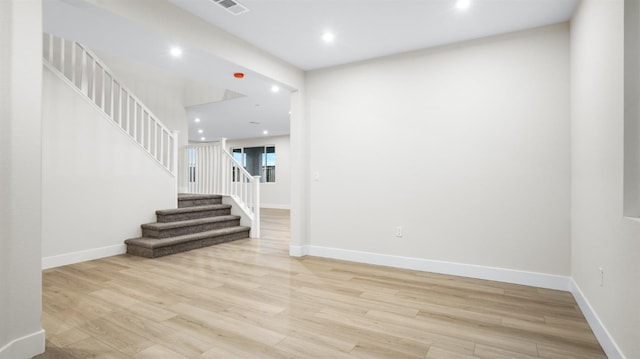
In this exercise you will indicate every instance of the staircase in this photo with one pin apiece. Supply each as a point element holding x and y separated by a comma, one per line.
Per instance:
<point>199,221</point>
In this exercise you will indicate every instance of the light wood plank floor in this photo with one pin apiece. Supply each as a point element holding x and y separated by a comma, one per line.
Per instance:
<point>249,299</point>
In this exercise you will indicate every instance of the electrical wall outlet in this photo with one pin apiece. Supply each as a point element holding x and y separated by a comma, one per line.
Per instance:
<point>399,231</point>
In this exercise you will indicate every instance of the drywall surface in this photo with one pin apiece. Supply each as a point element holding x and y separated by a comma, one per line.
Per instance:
<point>21,334</point>
<point>164,17</point>
<point>161,91</point>
<point>98,184</point>
<point>601,236</point>
<point>273,194</point>
<point>466,147</point>
<point>166,94</point>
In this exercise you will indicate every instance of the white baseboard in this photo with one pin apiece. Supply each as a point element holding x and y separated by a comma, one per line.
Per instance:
<point>541,280</point>
<point>82,256</point>
<point>535,279</point>
<point>298,251</point>
<point>27,346</point>
<point>602,334</point>
<point>275,206</point>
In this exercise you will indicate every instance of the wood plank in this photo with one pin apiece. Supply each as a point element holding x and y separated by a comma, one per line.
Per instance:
<point>249,299</point>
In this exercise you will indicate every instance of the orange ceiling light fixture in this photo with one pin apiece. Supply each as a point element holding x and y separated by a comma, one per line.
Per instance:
<point>238,75</point>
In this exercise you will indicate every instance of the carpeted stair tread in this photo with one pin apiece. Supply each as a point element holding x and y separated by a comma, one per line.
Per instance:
<point>189,196</point>
<point>186,223</point>
<point>199,221</point>
<point>154,243</point>
<point>196,200</point>
<point>164,212</point>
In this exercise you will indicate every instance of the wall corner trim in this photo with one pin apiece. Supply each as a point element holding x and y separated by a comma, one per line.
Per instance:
<point>27,346</point>
<point>82,256</point>
<point>298,251</point>
<point>602,334</point>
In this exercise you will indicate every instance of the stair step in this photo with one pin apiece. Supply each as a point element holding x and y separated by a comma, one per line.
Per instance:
<point>179,228</point>
<point>192,200</point>
<point>154,247</point>
<point>183,214</point>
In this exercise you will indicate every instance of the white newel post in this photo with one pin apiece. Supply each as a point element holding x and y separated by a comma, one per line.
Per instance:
<point>255,225</point>
<point>183,170</point>
<point>224,166</point>
<point>174,168</point>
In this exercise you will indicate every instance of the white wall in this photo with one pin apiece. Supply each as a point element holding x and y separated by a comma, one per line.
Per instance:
<point>632,108</point>
<point>465,146</point>
<point>162,92</point>
<point>601,236</point>
<point>300,185</point>
<point>21,334</point>
<point>98,184</point>
<point>273,194</point>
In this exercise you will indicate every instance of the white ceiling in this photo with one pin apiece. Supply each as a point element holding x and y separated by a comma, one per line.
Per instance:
<point>292,30</point>
<point>109,33</point>
<point>365,29</point>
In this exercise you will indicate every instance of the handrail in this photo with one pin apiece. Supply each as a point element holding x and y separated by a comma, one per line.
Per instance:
<point>237,164</point>
<point>87,74</point>
<point>212,169</point>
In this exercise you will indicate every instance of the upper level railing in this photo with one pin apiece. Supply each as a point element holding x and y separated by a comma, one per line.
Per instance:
<point>212,169</point>
<point>88,75</point>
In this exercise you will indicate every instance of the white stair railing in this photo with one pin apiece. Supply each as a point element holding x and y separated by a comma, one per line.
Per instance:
<point>89,76</point>
<point>211,169</point>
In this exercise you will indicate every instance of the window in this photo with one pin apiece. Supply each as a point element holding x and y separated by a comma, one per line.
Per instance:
<point>258,161</point>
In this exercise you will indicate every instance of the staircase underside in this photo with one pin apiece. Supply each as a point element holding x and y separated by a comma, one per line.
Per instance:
<point>199,221</point>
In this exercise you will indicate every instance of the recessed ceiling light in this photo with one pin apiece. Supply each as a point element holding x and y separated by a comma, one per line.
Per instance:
<point>463,4</point>
<point>197,120</point>
<point>176,52</point>
<point>265,132</point>
<point>202,138</point>
<point>328,37</point>
<point>275,89</point>
<point>200,131</point>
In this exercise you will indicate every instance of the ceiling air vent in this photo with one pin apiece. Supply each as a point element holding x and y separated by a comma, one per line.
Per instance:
<point>232,6</point>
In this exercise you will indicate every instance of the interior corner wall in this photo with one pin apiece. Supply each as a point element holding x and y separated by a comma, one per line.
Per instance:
<point>632,108</point>
<point>601,236</point>
<point>466,147</point>
<point>21,333</point>
<point>276,194</point>
<point>299,195</point>
<point>99,185</point>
